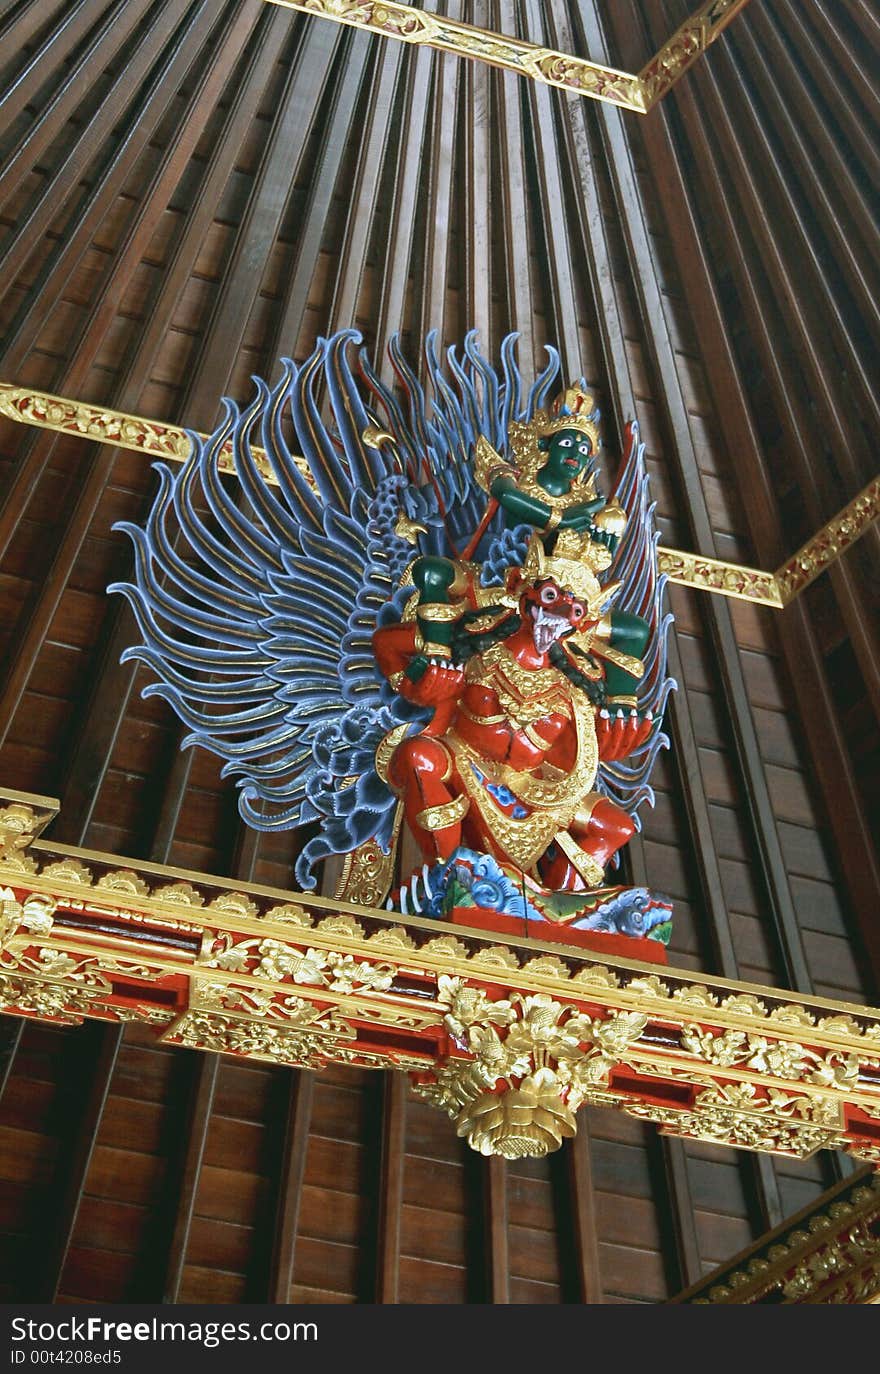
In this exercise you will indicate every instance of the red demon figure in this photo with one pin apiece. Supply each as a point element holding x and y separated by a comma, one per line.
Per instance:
<point>522,717</point>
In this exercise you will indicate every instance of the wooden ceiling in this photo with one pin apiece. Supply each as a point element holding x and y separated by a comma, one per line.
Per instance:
<point>191,188</point>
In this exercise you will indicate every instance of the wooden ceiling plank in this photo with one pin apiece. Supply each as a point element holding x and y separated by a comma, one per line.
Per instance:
<point>823,78</point>
<point>497,1240</point>
<point>583,1212</point>
<point>72,23</point>
<point>20,22</point>
<point>239,291</point>
<point>98,1048</point>
<point>681,1210</point>
<point>10,1039</point>
<point>328,169</point>
<point>177,48</point>
<point>58,105</point>
<point>364,196</point>
<point>836,194</point>
<point>404,198</point>
<point>88,497</point>
<point>103,716</point>
<point>855,65</point>
<point>258,230</point>
<point>789,256</point>
<point>290,1185</point>
<point>550,162</point>
<point>431,304</point>
<point>796,416</point>
<point>203,1085</point>
<point>392,1162</point>
<point>475,204</point>
<point>521,290</point>
<point>817,482</point>
<point>827,747</point>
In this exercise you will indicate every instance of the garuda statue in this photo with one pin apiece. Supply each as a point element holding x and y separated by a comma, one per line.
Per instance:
<point>416,607</point>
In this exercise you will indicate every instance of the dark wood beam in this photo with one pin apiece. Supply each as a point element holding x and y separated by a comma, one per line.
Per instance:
<point>390,1202</point>
<point>290,1184</point>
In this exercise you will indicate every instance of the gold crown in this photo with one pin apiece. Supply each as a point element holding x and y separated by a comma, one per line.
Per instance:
<point>571,566</point>
<point>573,410</point>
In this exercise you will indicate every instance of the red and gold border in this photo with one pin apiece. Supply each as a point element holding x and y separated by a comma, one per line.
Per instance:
<point>295,979</point>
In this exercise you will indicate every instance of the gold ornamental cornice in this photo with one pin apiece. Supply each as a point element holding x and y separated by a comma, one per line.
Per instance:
<point>829,1252</point>
<point>637,91</point>
<point>494,1033</point>
<point>155,439</point>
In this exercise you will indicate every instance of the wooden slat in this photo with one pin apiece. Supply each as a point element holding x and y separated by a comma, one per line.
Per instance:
<point>431,305</point>
<point>98,1048</point>
<point>88,498</point>
<point>363,198</point>
<point>497,1241</point>
<point>204,1082</point>
<point>475,223</point>
<point>819,714</point>
<point>290,1186</point>
<point>391,1166</point>
<point>71,23</point>
<point>583,1213</point>
<point>103,47</point>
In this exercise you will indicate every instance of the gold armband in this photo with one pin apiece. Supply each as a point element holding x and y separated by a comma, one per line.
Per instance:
<point>539,742</point>
<point>553,522</point>
<point>439,610</point>
<point>448,813</point>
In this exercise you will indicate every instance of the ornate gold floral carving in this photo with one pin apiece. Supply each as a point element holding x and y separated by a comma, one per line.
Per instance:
<point>21,823</point>
<point>69,870</point>
<point>368,872</point>
<point>279,961</point>
<point>179,894</point>
<point>52,1001</point>
<point>290,914</point>
<point>34,915</point>
<point>741,1115</point>
<point>779,1058</point>
<point>829,543</point>
<point>534,1062</point>
<point>123,880</point>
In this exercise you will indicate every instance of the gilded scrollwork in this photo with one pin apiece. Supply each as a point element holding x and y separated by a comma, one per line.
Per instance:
<point>741,1115</point>
<point>279,961</point>
<point>51,1001</point>
<point>775,1058</point>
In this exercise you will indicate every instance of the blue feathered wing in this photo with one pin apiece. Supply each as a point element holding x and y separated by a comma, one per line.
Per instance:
<point>257,600</point>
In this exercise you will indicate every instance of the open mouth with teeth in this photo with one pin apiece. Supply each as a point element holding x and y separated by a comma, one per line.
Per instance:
<point>546,627</point>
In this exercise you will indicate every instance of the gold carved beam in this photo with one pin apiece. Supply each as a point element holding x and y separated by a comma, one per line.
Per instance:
<point>638,91</point>
<point>295,979</point>
<point>155,439</point>
<point>827,1253</point>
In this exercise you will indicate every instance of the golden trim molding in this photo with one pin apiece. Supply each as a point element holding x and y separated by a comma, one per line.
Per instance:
<point>829,1252</point>
<point>155,439</point>
<point>637,91</point>
<point>297,979</point>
